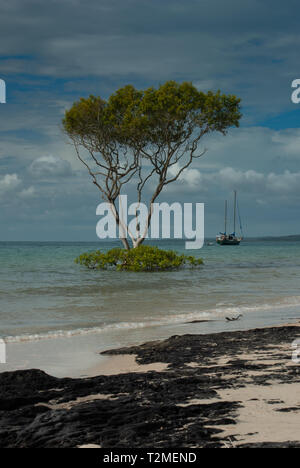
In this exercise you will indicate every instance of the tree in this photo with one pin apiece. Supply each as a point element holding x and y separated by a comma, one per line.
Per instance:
<point>142,136</point>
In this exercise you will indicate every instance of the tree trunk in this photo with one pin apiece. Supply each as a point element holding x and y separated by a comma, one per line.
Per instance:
<point>125,243</point>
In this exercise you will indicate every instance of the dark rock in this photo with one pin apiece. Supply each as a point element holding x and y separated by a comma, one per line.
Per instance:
<point>153,409</point>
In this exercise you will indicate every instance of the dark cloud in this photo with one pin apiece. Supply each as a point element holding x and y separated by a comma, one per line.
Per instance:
<point>248,48</point>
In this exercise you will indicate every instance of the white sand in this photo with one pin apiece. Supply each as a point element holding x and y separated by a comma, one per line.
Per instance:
<point>123,364</point>
<point>258,419</point>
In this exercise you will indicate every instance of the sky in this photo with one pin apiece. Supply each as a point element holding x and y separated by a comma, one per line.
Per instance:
<point>54,52</point>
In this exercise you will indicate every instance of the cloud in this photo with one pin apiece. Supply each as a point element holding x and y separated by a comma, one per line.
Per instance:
<point>289,141</point>
<point>28,193</point>
<point>255,184</point>
<point>284,184</point>
<point>50,166</point>
<point>9,183</point>
<point>190,177</point>
<point>247,181</point>
<point>268,187</point>
<point>245,49</point>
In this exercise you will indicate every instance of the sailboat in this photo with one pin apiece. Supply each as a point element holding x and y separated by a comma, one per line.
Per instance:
<point>230,239</point>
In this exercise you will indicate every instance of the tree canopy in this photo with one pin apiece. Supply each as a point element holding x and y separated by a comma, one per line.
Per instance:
<point>144,135</point>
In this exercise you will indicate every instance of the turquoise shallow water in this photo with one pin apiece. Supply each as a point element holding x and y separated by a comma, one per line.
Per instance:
<point>44,294</point>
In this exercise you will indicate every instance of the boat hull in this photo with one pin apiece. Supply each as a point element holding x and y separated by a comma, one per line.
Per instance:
<point>227,241</point>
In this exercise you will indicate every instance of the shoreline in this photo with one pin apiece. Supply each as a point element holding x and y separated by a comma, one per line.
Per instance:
<point>228,389</point>
<point>78,356</point>
<point>118,363</point>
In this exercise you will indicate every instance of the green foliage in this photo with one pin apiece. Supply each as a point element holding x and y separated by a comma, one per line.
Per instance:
<point>165,116</point>
<point>143,258</point>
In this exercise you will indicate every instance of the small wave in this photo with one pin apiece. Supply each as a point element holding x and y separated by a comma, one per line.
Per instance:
<point>219,312</point>
<point>276,303</point>
<point>181,318</point>
<point>75,332</point>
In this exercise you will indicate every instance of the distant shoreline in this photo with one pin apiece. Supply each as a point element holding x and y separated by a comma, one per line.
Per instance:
<point>295,237</point>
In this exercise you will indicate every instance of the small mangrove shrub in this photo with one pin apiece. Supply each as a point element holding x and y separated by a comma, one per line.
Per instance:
<point>142,258</point>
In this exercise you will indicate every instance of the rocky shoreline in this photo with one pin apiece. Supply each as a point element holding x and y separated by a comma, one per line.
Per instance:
<point>181,406</point>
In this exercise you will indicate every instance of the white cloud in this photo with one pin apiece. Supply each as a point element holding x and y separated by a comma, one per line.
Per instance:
<point>247,180</point>
<point>191,177</point>
<point>289,141</point>
<point>9,183</point>
<point>50,166</point>
<point>257,185</point>
<point>28,193</point>
<point>286,183</point>
<point>269,185</point>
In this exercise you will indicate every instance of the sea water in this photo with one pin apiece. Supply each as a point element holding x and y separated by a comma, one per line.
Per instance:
<point>58,315</point>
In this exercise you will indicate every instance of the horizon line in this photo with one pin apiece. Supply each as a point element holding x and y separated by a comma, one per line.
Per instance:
<point>151,240</point>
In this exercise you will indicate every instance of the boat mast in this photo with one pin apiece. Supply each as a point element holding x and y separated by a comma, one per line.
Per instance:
<point>225,217</point>
<point>234,221</point>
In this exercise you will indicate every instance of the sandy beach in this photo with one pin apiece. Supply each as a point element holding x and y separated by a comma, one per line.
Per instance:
<point>229,390</point>
<point>268,411</point>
